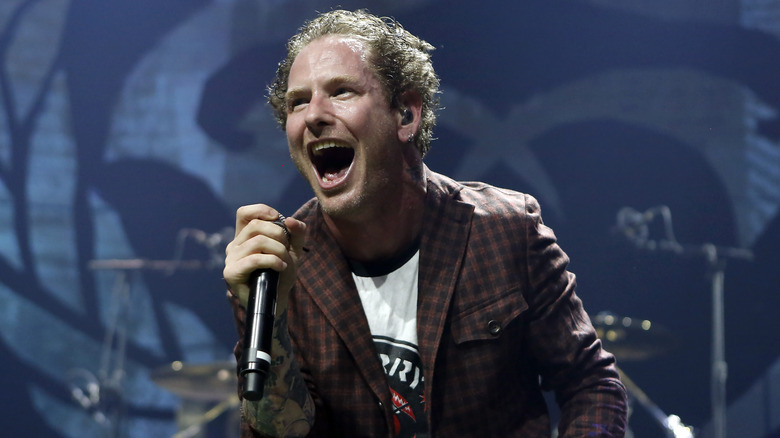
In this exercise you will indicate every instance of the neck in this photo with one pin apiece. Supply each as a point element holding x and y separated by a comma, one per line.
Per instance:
<point>385,231</point>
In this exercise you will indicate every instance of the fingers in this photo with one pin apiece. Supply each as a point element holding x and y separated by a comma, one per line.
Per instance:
<point>258,220</point>
<point>238,271</point>
<point>260,243</point>
<point>259,238</point>
<point>248,213</point>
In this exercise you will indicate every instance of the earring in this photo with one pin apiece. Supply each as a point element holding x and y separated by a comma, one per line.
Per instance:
<point>410,139</point>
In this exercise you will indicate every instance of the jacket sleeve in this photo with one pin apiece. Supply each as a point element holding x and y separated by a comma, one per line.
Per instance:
<point>572,362</point>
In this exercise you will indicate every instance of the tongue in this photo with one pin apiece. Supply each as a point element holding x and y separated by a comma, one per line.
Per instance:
<point>335,174</point>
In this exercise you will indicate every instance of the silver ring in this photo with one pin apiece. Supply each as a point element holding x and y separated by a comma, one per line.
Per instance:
<point>280,221</point>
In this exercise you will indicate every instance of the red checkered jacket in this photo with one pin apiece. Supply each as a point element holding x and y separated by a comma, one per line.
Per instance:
<point>498,321</point>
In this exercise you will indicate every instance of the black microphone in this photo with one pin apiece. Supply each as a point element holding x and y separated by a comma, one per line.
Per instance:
<point>261,311</point>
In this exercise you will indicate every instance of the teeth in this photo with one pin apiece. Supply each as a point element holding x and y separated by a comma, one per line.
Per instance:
<point>321,147</point>
<point>331,158</point>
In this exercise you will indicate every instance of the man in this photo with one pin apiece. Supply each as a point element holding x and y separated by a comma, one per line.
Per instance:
<point>409,304</point>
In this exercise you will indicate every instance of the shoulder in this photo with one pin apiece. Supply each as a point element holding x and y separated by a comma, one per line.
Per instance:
<point>488,201</point>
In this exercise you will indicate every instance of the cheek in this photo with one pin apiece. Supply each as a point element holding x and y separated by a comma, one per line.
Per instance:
<point>294,131</point>
<point>369,123</point>
<point>295,149</point>
<point>294,143</point>
<point>298,160</point>
<point>291,126</point>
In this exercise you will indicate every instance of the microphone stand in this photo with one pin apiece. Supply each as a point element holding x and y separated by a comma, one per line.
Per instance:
<point>635,226</point>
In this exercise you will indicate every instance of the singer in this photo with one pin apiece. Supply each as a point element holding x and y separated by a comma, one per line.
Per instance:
<point>409,304</point>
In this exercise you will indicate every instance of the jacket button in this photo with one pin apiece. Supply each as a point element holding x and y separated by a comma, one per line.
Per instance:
<point>494,327</point>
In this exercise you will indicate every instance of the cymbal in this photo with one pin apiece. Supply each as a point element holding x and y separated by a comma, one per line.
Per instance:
<point>632,339</point>
<point>199,382</point>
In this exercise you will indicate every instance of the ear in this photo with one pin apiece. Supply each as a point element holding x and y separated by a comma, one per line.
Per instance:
<point>409,114</point>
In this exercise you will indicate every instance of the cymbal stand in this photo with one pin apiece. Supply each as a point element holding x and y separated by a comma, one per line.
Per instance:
<point>112,362</point>
<point>195,427</point>
<point>101,394</point>
<point>671,423</point>
<point>635,226</point>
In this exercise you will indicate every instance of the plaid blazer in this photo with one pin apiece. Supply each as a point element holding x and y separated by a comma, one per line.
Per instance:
<point>498,321</point>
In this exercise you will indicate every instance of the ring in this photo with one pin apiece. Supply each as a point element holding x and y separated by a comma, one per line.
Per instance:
<point>280,221</point>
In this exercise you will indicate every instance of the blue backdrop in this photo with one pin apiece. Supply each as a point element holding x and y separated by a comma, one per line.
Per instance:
<point>131,130</point>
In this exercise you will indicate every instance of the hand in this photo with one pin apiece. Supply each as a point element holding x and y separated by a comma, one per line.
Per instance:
<point>259,243</point>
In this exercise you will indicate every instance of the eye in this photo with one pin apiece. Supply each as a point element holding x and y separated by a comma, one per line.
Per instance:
<point>341,91</point>
<point>296,103</point>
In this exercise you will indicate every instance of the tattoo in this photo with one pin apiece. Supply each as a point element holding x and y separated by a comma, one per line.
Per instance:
<point>286,408</point>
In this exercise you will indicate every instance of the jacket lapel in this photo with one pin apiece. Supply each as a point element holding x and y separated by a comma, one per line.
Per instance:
<point>445,235</point>
<point>334,292</point>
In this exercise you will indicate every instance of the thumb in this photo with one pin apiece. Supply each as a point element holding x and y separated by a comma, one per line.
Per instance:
<point>297,230</point>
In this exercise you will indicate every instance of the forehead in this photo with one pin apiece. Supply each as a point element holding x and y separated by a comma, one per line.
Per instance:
<point>331,54</point>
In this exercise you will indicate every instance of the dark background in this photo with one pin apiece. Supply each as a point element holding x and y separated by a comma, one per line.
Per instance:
<point>132,129</point>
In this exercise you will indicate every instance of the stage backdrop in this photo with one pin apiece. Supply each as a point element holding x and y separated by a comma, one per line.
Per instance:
<point>131,130</point>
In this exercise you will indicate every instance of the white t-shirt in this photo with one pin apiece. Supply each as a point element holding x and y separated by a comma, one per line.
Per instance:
<point>389,296</point>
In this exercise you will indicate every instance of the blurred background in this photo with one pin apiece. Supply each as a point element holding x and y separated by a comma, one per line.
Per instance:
<point>131,130</point>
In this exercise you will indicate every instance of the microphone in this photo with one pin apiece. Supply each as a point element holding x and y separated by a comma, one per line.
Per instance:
<point>261,311</point>
<point>216,241</point>
<point>633,225</point>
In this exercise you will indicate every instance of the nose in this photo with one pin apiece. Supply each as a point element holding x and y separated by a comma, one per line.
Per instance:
<point>319,113</point>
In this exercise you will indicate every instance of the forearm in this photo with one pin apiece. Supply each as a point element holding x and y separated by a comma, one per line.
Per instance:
<point>598,409</point>
<point>286,408</point>
<point>592,399</point>
<point>588,390</point>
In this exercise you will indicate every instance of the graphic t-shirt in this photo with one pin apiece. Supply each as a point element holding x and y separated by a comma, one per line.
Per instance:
<point>389,295</point>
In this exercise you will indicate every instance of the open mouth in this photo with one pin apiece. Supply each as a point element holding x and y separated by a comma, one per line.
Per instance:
<point>332,161</point>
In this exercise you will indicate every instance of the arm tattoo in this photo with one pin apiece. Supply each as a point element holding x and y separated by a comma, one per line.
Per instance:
<point>286,408</point>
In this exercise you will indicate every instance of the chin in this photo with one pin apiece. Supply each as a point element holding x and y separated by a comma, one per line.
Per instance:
<point>336,208</point>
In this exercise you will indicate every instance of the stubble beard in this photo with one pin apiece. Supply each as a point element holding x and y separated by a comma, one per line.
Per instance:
<point>358,203</point>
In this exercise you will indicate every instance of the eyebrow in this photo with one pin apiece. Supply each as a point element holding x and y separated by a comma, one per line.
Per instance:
<point>294,93</point>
